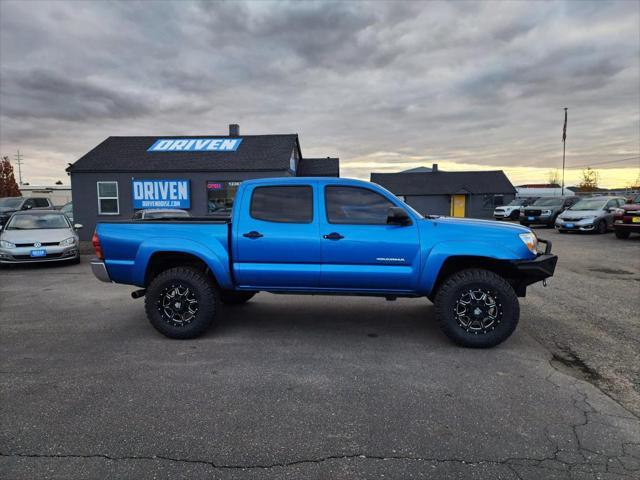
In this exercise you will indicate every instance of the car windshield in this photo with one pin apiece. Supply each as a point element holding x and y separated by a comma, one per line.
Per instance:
<point>545,202</point>
<point>589,204</point>
<point>10,202</point>
<point>37,221</point>
<point>166,214</point>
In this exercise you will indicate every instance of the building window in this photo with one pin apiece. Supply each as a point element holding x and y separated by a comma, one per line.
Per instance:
<point>356,205</point>
<point>489,202</point>
<point>220,196</point>
<point>108,198</point>
<point>286,204</point>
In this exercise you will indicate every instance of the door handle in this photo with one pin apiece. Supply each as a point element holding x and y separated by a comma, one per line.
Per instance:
<point>333,236</point>
<point>252,234</point>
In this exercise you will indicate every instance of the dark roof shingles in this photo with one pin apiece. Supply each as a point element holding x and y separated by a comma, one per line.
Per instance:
<point>445,183</point>
<point>129,154</point>
<point>319,167</point>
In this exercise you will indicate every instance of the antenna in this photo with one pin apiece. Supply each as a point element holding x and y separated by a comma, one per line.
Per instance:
<point>18,158</point>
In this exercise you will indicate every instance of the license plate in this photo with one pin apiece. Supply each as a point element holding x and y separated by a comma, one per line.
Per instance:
<point>635,219</point>
<point>568,225</point>
<point>531,218</point>
<point>38,253</point>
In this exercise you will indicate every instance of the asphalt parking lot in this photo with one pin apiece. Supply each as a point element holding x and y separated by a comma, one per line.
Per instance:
<point>323,387</point>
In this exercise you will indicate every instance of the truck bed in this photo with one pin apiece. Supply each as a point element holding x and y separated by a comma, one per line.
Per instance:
<point>129,245</point>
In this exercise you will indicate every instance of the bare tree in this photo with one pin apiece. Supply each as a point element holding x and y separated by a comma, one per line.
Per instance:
<point>589,182</point>
<point>554,177</point>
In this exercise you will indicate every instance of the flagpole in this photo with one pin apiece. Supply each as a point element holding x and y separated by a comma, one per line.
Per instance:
<point>564,147</point>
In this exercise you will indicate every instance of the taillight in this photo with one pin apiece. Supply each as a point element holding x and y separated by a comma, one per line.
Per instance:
<point>96,246</point>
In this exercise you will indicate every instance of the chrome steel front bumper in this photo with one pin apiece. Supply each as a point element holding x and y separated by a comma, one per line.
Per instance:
<point>100,270</point>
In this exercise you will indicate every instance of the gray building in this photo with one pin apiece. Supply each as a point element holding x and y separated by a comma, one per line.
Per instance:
<point>461,194</point>
<point>200,174</point>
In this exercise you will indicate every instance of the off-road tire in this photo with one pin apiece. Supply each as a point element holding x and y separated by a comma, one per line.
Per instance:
<point>203,290</point>
<point>452,291</point>
<point>235,298</point>
<point>622,235</point>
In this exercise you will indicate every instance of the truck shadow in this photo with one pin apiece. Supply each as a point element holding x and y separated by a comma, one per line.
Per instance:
<point>323,316</point>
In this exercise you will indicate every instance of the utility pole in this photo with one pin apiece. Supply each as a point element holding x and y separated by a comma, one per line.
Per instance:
<point>564,146</point>
<point>18,158</point>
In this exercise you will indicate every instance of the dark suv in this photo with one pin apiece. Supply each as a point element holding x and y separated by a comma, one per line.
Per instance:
<point>9,205</point>
<point>545,210</point>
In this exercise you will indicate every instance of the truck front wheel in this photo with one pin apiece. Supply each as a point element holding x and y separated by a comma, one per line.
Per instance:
<point>477,308</point>
<point>181,302</point>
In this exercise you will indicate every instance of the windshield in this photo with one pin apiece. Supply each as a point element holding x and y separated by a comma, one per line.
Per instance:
<point>545,202</point>
<point>589,204</point>
<point>37,221</point>
<point>515,202</point>
<point>10,202</point>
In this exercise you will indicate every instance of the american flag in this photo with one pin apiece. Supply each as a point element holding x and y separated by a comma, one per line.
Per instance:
<point>564,129</point>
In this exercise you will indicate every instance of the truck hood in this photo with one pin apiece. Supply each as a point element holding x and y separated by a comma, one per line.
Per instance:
<point>482,225</point>
<point>478,237</point>
<point>631,207</point>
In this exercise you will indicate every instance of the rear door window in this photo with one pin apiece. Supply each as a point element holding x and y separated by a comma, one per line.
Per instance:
<point>283,204</point>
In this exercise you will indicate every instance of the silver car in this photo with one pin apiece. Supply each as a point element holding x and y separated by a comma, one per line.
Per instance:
<point>593,214</point>
<point>39,236</point>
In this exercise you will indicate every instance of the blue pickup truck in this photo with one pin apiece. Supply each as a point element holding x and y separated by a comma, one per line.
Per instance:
<point>325,236</point>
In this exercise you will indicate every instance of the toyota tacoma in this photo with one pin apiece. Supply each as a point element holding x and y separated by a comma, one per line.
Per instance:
<point>325,236</point>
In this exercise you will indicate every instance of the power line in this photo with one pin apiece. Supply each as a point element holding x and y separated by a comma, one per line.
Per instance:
<point>604,163</point>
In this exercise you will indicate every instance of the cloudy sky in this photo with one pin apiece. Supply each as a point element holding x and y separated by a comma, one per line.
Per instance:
<point>384,86</point>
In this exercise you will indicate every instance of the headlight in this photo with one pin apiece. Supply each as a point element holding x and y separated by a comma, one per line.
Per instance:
<point>545,212</point>
<point>67,242</point>
<point>530,240</point>
<point>6,244</point>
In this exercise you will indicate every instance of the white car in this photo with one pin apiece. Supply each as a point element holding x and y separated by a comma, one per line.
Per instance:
<point>39,236</point>
<point>511,211</point>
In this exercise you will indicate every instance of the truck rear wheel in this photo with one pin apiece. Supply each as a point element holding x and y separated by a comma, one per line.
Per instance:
<point>235,298</point>
<point>477,308</point>
<point>622,234</point>
<point>181,303</point>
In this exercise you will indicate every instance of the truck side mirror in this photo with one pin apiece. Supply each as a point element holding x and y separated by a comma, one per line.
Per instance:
<point>398,216</point>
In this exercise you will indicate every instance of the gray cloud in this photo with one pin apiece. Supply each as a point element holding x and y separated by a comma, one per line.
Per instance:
<point>375,83</point>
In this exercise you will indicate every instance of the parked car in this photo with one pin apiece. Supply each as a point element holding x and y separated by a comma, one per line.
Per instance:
<point>626,219</point>
<point>67,209</point>
<point>593,214</point>
<point>325,236</point>
<point>155,214</point>
<point>511,211</point>
<point>9,205</point>
<point>39,236</point>
<point>545,210</point>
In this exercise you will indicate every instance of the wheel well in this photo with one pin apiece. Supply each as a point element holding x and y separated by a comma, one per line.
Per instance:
<point>500,267</point>
<point>161,261</point>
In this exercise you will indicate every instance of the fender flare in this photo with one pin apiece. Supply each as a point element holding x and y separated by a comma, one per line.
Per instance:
<point>441,252</point>
<point>214,255</point>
